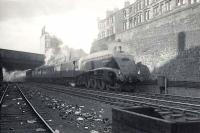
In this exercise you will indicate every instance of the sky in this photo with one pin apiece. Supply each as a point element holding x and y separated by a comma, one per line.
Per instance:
<point>72,21</point>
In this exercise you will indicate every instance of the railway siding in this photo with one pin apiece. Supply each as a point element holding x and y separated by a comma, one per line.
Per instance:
<point>18,114</point>
<point>72,114</point>
<point>178,110</point>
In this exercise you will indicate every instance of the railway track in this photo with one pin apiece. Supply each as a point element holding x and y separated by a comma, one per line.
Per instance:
<point>186,102</point>
<point>18,114</point>
<point>177,110</point>
<point>3,90</point>
<point>175,98</point>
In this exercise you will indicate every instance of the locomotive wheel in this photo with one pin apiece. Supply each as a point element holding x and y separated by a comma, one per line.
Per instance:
<point>95,81</point>
<point>77,83</point>
<point>118,87</point>
<point>107,87</point>
<point>87,84</point>
<point>101,85</point>
<point>92,83</point>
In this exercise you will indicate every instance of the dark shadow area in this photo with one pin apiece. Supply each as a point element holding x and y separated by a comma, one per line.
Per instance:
<point>143,72</point>
<point>149,111</point>
<point>183,70</point>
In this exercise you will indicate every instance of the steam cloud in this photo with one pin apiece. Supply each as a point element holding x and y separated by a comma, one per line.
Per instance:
<point>13,76</point>
<point>59,53</point>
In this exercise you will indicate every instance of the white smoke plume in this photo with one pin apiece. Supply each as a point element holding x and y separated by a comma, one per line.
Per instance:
<point>13,76</point>
<point>61,54</point>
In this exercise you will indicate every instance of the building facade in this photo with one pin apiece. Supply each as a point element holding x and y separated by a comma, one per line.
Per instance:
<point>162,34</point>
<point>107,26</point>
<point>140,12</point>
<point>145,10</point>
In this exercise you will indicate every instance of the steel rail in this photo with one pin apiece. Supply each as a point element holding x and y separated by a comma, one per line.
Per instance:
<point>145,98</point>
<point>156,96</point>
<point>35,111</point>
<point>167,96</point>
<point>189,105</point>
<point>122,99</point>
<point>4,93</point>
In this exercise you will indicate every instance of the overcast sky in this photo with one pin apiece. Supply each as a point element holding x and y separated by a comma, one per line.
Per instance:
<point>73,21</point>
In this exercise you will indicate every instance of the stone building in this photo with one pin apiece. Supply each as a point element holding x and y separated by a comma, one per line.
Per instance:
<point>162,34</point>
<point>48,41</point>
<point>106,26</point>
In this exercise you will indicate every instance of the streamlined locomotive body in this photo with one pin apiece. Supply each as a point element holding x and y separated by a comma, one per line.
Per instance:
<point>107,70</point>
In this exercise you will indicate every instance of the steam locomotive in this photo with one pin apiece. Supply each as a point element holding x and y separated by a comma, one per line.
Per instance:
<point>101,70</point>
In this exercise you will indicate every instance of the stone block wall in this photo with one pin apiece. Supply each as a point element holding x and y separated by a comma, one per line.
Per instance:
<point>160,42</point>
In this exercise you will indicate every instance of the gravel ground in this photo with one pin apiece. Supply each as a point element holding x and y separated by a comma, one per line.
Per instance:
<point>72,114</point>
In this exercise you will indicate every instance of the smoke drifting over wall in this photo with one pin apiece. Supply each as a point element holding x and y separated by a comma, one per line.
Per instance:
<point>13,76</point>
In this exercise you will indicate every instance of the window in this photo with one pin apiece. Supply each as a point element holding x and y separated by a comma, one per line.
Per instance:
<point>111,30</point>
<point>124,25</point>
<point>130,22</point>
<point>135,8</point>
<point>111,20</point>
<point>124,13</point>
<point>140,18</point>
<point>168,5</point>
<point>130,9</point>
<point>140,5</point>
<point>146,15</point>
<point>146,2</point>
<point>193,1</point>
<point>180,2</point>
<point>161,8</point>
<point>155,10</point>
<point>135,21</point>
